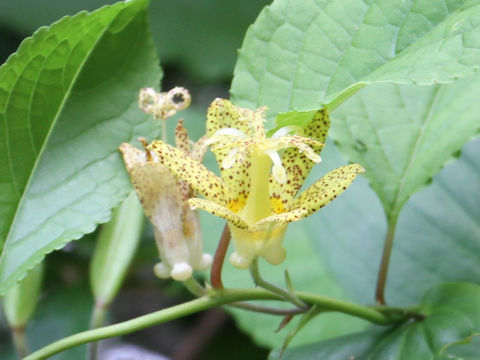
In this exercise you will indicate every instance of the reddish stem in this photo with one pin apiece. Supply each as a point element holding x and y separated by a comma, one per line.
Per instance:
<point>216,273</point>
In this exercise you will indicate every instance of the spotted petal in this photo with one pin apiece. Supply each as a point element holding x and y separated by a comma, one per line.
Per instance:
<point>298,165</point>
<point>285,218</point>
<point>218,210</point>
<point>326,189</point>
<point>157,190</point>
<point>195,174</point>
<point>199,149</point>
<point>181,137</point>
<point>223,114</point>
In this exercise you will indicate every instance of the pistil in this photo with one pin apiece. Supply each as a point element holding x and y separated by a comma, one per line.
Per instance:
<point>258,201</point>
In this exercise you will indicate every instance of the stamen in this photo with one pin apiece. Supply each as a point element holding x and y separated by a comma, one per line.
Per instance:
<point>284,131</point>
<point>230,159</point>
<point>310,153</point>
<point>219,134</point>
<point>278,171</point>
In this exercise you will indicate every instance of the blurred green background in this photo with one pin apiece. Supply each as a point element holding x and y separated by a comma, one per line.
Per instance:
<point>197,42</point>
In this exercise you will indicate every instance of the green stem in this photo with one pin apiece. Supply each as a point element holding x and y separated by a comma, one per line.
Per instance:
<point>164,130</point>
<point>194,287</point>
<point>216,298</point>
<point>410,313</point>
<point>387,251</point>
<point>98,317</point>
<point>289,296</point>
<point>267,309</point>
<point>369,313</point>
<point>20,341</point>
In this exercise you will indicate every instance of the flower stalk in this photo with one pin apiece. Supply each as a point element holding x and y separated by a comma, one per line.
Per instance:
<point>285,294</point>
<point>215,298</point>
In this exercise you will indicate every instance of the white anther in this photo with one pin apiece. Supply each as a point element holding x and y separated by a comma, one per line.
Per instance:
<point>284,131</point>
<point>278,171</point>
<point>230,159</point>
<point>219,134</point>
<point>312,156</point>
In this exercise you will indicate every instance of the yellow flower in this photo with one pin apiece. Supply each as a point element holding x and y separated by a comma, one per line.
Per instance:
<point>257,190</point>
<point>164,200</point>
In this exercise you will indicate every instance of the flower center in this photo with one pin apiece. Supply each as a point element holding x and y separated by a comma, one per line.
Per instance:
<point>258,201</point>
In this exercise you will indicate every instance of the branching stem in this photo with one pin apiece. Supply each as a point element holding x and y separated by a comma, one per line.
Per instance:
<point>259,281</point>
<point>194,287</point>
<point>215,298</point>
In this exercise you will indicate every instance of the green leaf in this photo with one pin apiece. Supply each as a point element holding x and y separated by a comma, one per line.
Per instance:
<point>67,100</point>
<point>403,135</point>
<point>436,241</point>
<point>453,316</point>
<point>302,54</point>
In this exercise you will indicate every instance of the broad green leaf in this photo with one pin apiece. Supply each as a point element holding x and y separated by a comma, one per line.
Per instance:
<point>403,135</point>
<point>67,100</point>
<point>302,54</point>
<point>453,317</point>
<point>436,241</point>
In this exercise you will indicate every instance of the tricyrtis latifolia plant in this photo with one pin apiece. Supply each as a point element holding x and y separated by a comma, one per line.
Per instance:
<point>257,190</point>
<point>68,100</point>
<point>256,193</point>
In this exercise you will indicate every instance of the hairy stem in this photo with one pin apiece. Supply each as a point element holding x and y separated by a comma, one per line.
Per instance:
<point>387,251</point>
<point>289,296</point>
<point>218,259</point>
<point>216,298</point>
